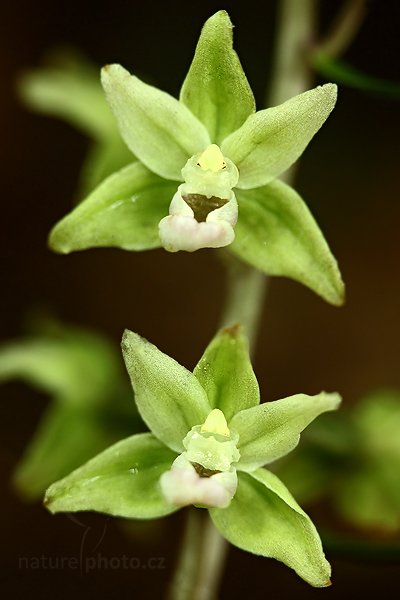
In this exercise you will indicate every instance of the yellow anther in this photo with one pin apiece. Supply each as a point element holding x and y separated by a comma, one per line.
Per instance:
<point>212,159</point>
<point>216,423</point>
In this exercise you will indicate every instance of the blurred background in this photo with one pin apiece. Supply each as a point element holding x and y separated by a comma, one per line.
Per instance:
<point>349,176</point>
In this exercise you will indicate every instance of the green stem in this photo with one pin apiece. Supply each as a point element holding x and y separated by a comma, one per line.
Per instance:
<point>203,553</point>
<point>292,74</point>
<point>185,576</point>
<point>246,289</point>
<point>200,565</point>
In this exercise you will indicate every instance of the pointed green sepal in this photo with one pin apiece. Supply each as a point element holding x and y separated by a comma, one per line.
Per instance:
<point>226,374</point>
<point>122,481</point>
<point>271,430</point>
<point>263,518</point>
<point>277,234</point>
<point>123,212</point>
<point>160,130</point>
<point>271,140</point>
<point>216,89</point>
<point>169,397</point>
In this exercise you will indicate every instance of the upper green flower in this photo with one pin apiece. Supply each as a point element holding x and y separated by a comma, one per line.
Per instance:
<point>214,161</point>
<point>209,438</point>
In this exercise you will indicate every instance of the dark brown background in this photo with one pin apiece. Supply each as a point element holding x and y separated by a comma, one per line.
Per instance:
<point>350,178</point>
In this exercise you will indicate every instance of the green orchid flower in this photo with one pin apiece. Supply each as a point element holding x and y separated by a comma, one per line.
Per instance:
<point>209,440</point>
<point>207,168</point>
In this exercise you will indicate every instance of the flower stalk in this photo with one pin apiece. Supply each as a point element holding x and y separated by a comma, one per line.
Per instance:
<point>246,290</point>
<point>216,166</point>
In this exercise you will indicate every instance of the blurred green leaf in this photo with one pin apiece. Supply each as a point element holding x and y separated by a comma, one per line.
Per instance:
<point>92,400</point>
<point>377,418</point>
<point>68,87</point>
<point>65,438</point>
<point>370,497</point>
<point>75,366</point>
<point>345,74</point>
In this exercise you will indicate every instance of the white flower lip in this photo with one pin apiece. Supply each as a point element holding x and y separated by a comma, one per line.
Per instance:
<point>182,486</point>
<point>181,231</point>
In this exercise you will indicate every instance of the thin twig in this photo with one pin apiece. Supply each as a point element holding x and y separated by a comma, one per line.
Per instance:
<point>343,30</point>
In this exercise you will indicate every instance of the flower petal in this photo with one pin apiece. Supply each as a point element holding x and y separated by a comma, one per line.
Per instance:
<point>159,130</point>
<point>185,233</point>
<point>180,230</point>
<point>226,374</point>
<point>271,430</point>
<point>271,140</point>
<point>263,518</point>
<point>122,481</point>
<point>123,211</point>
<point>170,399</point>
<point>277,234</point>
<point>216,89</point>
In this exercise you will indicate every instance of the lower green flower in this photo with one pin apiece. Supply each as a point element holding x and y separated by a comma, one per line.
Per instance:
<point>209,438</point>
